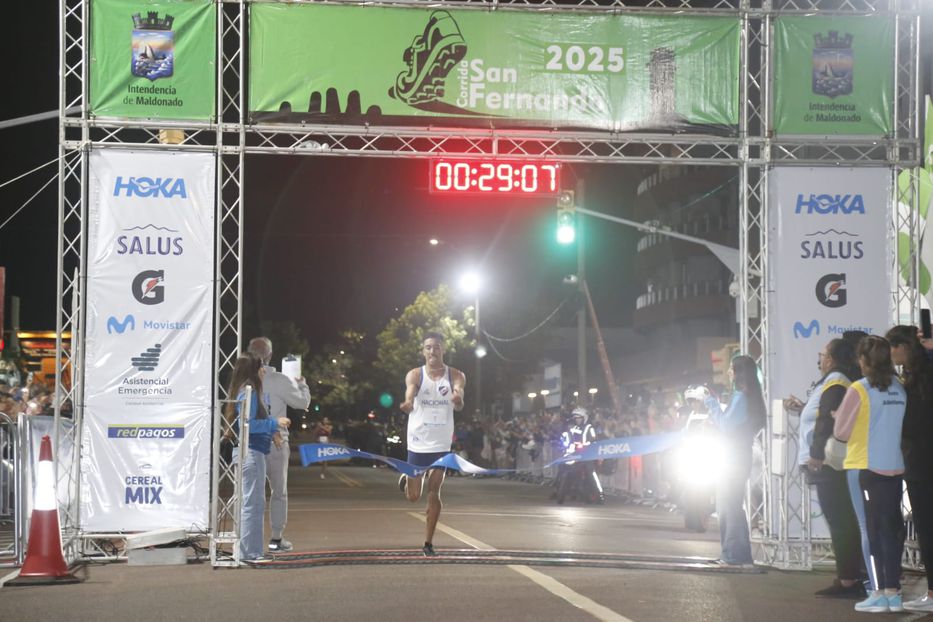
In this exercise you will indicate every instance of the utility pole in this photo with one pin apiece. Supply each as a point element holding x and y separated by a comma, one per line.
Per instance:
<point>581,285</point>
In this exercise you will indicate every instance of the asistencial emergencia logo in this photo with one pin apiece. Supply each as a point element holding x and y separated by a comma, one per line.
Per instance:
<point>147,287</point>
<point>831,290</point>
<point>832,64</point>
<point>153,46</point>
<point>429,59</point>
<point>148,359</point>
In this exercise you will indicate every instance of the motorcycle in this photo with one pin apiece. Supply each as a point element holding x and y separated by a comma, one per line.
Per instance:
<point>577,480</point>
<point>699,462</point>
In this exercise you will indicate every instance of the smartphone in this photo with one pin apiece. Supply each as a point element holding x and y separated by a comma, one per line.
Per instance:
<point>925,328</point>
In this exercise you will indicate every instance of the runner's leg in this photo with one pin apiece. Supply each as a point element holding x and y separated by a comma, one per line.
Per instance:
<point>435,481</point>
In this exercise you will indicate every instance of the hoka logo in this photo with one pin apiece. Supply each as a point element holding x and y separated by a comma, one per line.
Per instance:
<point>332,451</point>
<point>149,188</point>
<point>831,204</point>
<point>804,332</point>
<point>615,448</point>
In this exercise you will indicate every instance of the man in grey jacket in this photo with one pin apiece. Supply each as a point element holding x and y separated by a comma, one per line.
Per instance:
<point>279,391</point>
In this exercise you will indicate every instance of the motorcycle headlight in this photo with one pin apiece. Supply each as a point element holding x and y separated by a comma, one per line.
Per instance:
<point>701,459</point>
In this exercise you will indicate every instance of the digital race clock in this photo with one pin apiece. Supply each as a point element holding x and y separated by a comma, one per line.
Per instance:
<point>494,177</point>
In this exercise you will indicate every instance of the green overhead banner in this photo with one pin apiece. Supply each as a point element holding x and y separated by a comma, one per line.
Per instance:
<point>153,59</point>
<point>833,75</point>
<point>356,64</point>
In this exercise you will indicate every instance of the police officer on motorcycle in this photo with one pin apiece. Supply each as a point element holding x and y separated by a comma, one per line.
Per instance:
<point>578,477</point>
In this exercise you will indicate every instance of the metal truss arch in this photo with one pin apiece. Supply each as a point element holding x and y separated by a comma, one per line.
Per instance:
<point>752,149</point>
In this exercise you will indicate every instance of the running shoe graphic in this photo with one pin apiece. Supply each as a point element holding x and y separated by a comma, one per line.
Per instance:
<point>430,58</point>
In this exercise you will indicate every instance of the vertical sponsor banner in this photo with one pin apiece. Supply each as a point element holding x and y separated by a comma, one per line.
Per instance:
<point>149,342</point>
<point>153,59</point>
<point>831,265</point>
<point>834,75</point>
<point>359,64</point>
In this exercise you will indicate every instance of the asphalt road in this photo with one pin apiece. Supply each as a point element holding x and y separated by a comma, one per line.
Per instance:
<point>361,508</point>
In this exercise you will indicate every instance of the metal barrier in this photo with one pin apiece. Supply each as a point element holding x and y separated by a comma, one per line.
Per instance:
<point>633,477</point>
<point>11,510</point>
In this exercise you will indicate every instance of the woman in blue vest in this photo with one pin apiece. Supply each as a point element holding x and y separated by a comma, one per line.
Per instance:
<point>917,445</point>
<point>738,424</point>
<point>870,419</point>
<point>839,369</point>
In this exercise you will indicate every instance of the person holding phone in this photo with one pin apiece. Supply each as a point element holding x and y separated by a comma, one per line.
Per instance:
<point>738,424</point>
<point>838,369</point>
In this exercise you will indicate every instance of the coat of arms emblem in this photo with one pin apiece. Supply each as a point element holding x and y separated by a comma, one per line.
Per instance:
<point>832,64</point>
<point>153,46</point>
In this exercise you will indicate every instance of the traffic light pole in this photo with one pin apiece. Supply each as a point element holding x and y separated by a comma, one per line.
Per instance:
<point>581,284</point>
<point>726,254</point>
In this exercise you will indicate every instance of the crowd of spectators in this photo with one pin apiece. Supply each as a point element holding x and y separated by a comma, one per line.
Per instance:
<point>33,398</point>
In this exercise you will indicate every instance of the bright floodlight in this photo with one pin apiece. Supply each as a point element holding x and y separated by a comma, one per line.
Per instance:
<point>434,241</point>
<point>532,396</point>
<point>545,392</point>
<point>480,351</point>
<point>471,282</point>
<point>594,391</point>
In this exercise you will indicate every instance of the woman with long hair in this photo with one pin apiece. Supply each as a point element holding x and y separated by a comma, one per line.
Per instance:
<point>870,419</point>
<point>838,369</point>
<point>917,445</point>
<point>248,372</point>
<point>738,423</point>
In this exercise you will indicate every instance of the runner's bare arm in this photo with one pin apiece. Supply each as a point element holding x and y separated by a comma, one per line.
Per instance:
<point>458,384</point>
<point>412,379</point>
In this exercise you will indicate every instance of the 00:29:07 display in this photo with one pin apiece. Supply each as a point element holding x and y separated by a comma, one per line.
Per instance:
<point>450,177</point>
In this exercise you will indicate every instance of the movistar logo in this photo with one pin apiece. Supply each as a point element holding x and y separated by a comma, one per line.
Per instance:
<point>804,332</point>
<point>116,326</point>
<point>151,187</point>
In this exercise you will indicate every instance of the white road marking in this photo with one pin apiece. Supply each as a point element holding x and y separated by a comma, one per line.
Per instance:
<point>549,583</point>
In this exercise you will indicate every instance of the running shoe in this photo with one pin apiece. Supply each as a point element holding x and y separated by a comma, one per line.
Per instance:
<point>922,604</point>
<point>402,481</point>
<point>428,549</point>
<point>877,602</point>
<point>280,545</point>
<point>895,603</point>
<point>430,58</point>
<point>838,590</point>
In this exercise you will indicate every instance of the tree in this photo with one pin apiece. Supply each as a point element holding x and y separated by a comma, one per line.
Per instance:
<point>399,343</point>
<point>340,377</point>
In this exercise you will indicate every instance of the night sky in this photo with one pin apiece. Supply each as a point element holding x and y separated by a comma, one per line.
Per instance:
<point>331,242</point>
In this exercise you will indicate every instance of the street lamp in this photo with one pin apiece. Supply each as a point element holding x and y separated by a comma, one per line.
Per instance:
<point>471,283</point>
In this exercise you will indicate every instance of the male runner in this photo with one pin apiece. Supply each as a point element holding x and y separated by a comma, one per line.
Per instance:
<point>432,394</point>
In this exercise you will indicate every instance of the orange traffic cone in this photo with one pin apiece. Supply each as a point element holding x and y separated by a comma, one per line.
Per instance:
<point>45,562</point>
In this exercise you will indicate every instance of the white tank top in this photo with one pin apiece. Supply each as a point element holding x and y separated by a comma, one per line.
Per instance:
<point>431,422</point>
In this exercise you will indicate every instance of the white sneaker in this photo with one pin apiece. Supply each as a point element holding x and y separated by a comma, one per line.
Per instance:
<point>322,476</point>
<point>922,604</point>
<point>280,545</point>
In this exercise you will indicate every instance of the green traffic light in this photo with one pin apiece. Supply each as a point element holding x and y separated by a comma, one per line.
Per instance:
<point>566,231</point>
